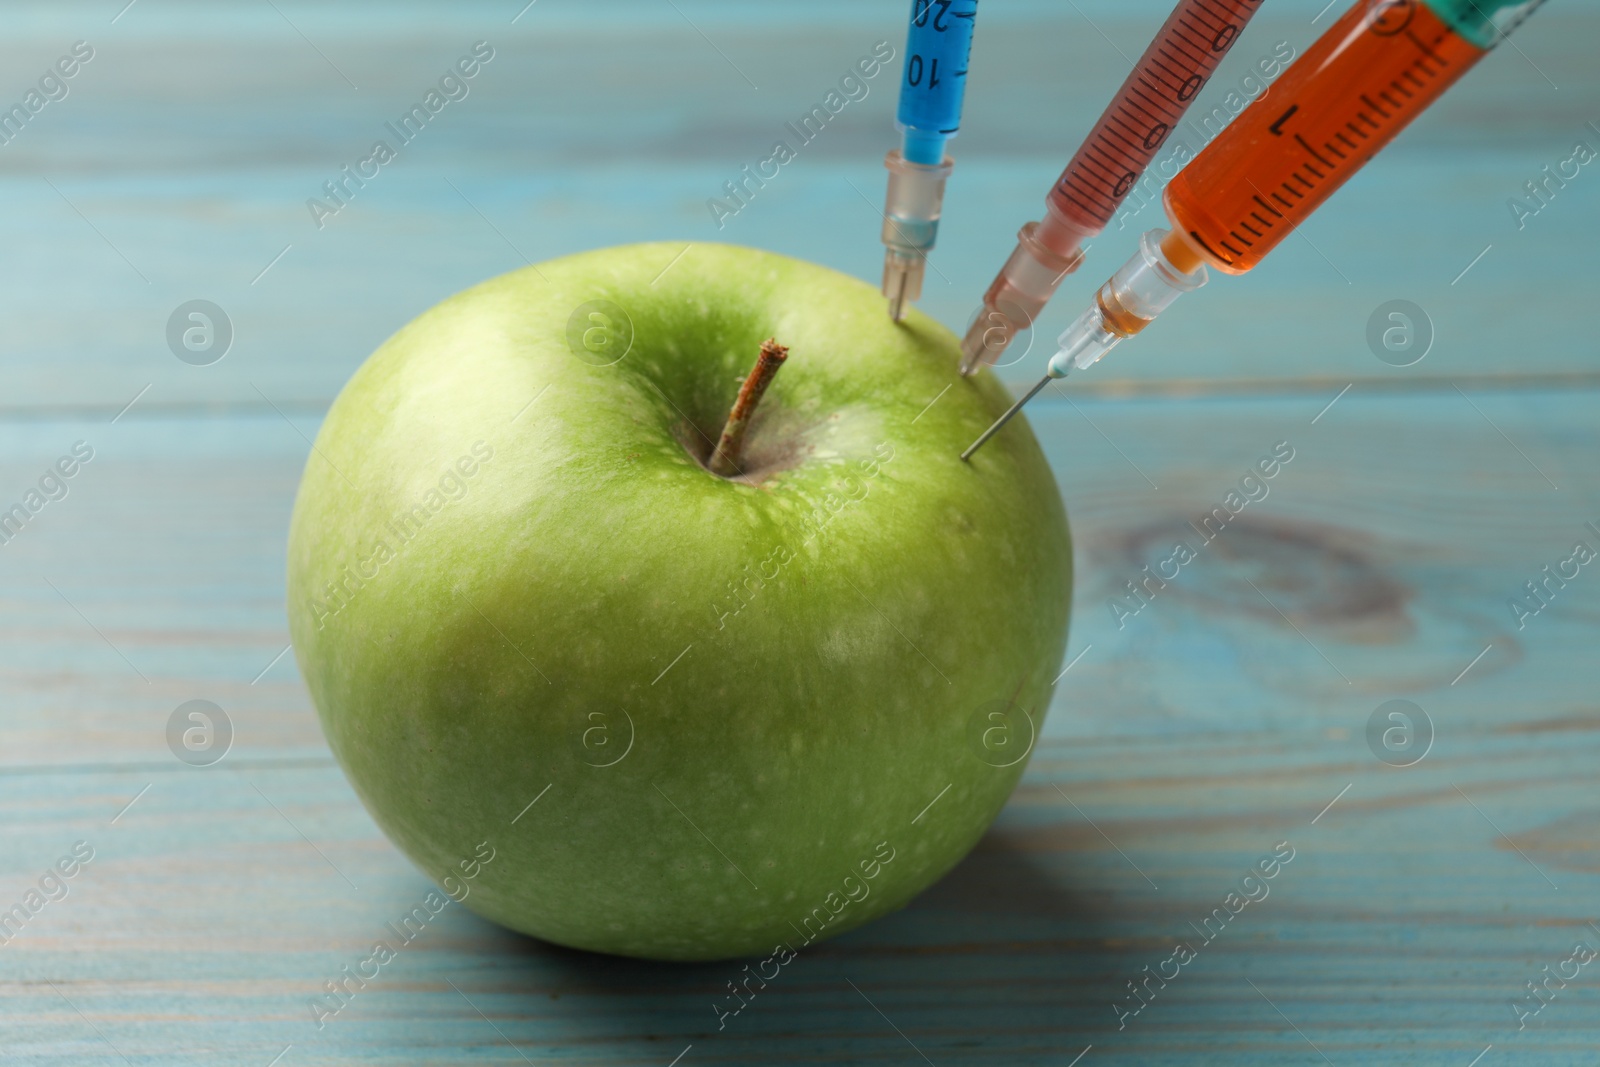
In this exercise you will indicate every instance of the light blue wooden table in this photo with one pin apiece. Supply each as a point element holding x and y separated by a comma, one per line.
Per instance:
<point>1230,714</point>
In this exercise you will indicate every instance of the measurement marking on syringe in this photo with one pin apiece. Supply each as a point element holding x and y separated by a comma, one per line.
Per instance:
<point>1326,147</point>
<point>1421,63</point>
<point>1313,153</point>
<point>1155,95</point>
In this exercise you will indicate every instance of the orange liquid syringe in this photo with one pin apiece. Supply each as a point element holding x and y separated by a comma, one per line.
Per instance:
<point>1374,70</point>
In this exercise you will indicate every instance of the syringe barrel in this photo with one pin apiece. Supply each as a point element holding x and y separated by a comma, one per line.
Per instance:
<point>1169,75</point>
<point>935,78</point>
<point>1374,70</point>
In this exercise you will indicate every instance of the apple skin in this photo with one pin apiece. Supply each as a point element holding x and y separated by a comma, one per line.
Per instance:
<point>559,624</point>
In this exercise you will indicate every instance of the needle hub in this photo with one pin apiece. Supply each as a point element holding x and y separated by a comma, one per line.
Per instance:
<point>910,225</point>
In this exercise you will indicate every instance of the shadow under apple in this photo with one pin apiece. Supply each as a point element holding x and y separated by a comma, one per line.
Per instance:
<point>1008,954</point>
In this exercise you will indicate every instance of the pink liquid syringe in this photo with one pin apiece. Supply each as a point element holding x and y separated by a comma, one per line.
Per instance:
<point>1157,92</point>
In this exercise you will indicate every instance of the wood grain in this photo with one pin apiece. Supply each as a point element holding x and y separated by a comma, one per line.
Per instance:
<point>1230,713</point>
<point>1193,740</point>
<point>184,157</point>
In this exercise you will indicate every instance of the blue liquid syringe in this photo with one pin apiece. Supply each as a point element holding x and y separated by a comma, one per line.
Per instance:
<point>935,82</point>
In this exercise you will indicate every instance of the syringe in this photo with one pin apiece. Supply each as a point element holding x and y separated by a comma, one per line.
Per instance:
<point>930,114</point>
<point>1157,92</point>
<point>1374,70</point>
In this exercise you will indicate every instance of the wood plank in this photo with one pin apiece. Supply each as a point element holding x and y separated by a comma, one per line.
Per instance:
<point>1181,748</point>
<point>180,166</point>
<point>212,923</point>
<point>167,562</point>
<point>1228,714</point>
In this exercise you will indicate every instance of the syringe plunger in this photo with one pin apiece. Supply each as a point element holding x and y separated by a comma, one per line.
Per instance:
<point>910,225</point>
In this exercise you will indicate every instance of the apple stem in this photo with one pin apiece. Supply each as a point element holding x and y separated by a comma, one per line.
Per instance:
<point>725,457</point>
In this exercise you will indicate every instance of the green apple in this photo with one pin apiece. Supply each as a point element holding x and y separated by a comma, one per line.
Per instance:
<point>687,716</point>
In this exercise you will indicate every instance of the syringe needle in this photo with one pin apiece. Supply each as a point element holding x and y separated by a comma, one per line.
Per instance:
<point>895,289</point>
<point>1003,419</point>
